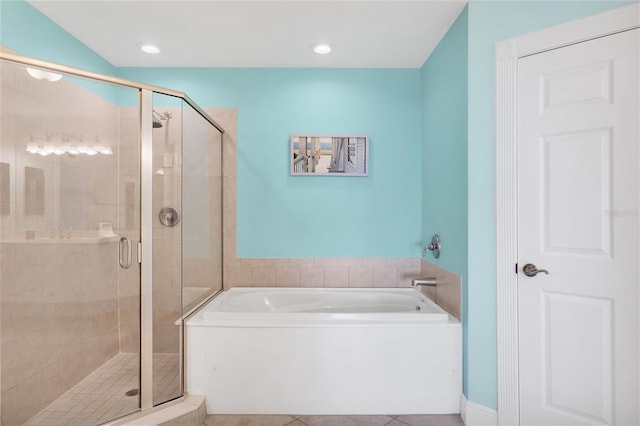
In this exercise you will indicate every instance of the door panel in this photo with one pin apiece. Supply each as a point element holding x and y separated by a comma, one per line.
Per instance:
<point>578,328</point>
<point>573,204</point>
<point>578,162</point>
<point>588,83</point>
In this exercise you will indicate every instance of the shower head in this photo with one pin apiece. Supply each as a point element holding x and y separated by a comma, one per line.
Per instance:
<point>157,117</point>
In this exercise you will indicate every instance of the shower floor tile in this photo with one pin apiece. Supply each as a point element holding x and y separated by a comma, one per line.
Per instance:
<point>100,397</point>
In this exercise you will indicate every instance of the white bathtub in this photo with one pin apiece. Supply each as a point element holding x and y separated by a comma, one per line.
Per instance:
<point>324,351</point>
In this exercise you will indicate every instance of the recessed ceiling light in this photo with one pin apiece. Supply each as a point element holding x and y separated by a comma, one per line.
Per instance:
<point>150,48</point>
<point>322,48</point>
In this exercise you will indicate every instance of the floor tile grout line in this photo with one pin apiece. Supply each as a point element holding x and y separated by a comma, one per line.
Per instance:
<point>295,419</point>
<point>398,420</point>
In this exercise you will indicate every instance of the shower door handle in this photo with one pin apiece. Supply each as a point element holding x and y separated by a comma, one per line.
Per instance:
<point>125,252</point>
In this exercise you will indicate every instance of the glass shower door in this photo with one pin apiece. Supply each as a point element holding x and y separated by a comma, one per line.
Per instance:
<point>69,228</point>
<point>187,231</point>
<point>167,248</point>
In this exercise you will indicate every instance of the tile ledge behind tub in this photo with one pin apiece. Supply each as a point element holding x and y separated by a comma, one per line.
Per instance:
<point>345,272</point>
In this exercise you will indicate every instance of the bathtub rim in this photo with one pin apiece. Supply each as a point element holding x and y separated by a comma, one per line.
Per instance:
<point>289,319</point>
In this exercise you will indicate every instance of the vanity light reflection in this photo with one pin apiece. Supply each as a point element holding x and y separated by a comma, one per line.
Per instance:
<point>67,145</point>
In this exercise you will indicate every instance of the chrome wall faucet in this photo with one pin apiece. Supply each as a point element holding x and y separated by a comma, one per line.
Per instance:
<point>429,282</point>
<point>434,246</point>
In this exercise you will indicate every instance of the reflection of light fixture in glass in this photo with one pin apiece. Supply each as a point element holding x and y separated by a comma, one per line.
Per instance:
<point>322,48</point>
<point>32,148</point>
<point>64,144</point>
<point>43,75</point>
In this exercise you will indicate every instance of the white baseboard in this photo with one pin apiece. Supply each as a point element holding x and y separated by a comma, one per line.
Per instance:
<point>477,415</point>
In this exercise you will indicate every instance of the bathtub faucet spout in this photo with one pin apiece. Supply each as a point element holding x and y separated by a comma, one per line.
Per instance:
<point>430,281</point>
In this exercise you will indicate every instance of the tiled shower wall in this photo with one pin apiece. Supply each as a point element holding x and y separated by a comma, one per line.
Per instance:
<point>188,177</point>
<point>202,271</point>
<point>179,147</point>
<point>317,272</point>
<point>166,240</point>
<point>58,280</point>
<point>59,320</point>
<point>129,225</point>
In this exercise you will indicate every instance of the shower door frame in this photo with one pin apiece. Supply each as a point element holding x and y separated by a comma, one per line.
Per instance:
<point>145,255</point>
<point>145,248</point>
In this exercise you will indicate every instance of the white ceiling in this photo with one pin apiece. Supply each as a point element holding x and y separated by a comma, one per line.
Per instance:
<point>258,33</point>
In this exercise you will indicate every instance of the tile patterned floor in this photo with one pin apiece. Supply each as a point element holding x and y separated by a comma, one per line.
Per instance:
<point>412,420</point>
<point>100,397</point>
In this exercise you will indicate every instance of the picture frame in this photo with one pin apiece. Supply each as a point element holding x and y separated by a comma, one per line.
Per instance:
<point>329,155</point>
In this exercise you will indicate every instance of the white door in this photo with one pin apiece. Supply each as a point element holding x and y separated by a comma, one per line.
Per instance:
<point>578,218</point>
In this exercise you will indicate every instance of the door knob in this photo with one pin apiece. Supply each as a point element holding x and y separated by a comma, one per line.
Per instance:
<point>530,270</point>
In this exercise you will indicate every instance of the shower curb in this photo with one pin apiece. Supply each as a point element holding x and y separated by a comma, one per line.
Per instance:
<point>190,411</point>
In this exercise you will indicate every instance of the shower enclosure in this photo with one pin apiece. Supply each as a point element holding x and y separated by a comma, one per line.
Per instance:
<point>110,232</point>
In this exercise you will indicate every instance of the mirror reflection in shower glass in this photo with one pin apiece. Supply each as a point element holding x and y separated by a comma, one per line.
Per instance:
<point>33,190</point>
<point>70,317</point>
<point>5,193</point>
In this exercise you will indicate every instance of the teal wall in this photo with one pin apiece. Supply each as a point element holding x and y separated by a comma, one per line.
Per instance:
<point>28,32</point>
<point>444,155</point>
<point>317,216</point>
<point>490,22</point>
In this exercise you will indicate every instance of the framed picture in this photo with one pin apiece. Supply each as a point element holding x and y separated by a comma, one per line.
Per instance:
<point>329,155</point>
